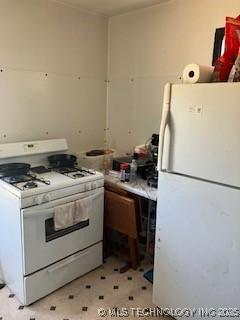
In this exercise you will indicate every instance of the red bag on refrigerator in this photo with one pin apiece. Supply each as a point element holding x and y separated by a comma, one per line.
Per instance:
<point>225,63</point>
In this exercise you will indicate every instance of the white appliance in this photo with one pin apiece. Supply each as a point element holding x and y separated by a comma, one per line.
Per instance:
<point>36,259</point>
<point>197,253</point>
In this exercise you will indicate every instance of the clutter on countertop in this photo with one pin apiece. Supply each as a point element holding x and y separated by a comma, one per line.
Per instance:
<point>142,164</point>
<point>141,151</point>
<point>133,170</point>
<point>124,172</point>
<point>138,187</point>
<point>117,162</point>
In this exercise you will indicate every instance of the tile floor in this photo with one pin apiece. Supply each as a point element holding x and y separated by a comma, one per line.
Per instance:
<point>103,288</point>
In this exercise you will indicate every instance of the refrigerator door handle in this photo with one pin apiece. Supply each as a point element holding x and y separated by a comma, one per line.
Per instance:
<point>164,122</point>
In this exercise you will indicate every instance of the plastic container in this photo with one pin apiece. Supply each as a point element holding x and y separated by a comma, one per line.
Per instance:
<point>96,162</point>
<point>124,175</point>
<point>127,174</point>
<point>133,171</point>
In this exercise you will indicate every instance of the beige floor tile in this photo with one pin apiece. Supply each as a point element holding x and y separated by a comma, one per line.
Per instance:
<point>72,298</point>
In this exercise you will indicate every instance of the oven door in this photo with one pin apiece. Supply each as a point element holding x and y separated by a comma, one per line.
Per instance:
<point>43,246</point>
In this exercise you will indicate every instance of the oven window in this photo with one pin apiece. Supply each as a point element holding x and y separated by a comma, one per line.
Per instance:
<point>51,234</point>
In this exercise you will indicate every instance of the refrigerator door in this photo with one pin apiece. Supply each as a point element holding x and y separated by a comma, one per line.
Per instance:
<point>204,126</point>
<point>197,258</point>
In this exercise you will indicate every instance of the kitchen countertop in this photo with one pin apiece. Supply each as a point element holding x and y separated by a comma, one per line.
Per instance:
<point>138,187</point>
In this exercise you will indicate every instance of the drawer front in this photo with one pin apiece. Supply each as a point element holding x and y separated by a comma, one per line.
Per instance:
<point>57,275</point>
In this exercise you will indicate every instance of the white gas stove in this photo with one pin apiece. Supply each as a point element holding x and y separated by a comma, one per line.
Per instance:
<point>34,257</point>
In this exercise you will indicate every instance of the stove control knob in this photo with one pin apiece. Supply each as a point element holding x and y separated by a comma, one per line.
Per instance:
<point>94,185</point>
<point>88,187</point>
<point>47,197</point>
<point>38,200</point>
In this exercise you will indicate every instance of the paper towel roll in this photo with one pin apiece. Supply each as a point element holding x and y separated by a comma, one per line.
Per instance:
<point>194,73</point>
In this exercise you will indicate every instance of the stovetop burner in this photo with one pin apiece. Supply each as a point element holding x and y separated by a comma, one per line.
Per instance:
<point>30,185</point>
<point>16,179</point>
<point>78,175</point>
<point>64,170</point>
<point>75,172</point>
<point>33,179</point>
<point>24,182</point>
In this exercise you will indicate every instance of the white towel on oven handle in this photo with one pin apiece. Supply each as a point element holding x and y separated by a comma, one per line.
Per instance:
<point>63,216</point>
<point>83,207</point>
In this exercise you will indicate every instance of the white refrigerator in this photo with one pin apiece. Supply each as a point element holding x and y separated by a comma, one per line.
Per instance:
<point>197,253</point>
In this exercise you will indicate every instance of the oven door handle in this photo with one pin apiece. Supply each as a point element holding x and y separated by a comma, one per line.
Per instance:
<point>69,261</point>
<point>47,213</point>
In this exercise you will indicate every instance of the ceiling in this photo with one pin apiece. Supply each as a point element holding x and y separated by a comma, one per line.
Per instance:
<point>111,7</point>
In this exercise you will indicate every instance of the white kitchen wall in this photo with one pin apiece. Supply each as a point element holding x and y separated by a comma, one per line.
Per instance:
<point>53,63</point>
<point>53,67</point>
<point>148,48</point>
